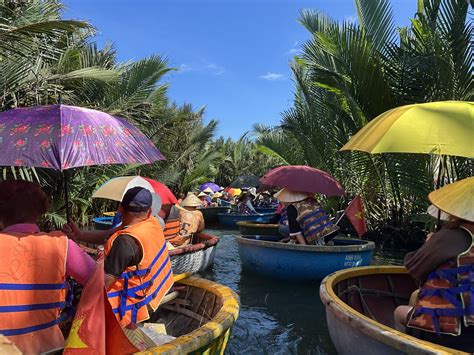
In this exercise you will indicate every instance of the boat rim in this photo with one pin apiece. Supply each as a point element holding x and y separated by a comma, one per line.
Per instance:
<point>211,330</point>
<point>246,215</point>
<point>214,208</point>
<point>370,327</point>
<point>254,224</point>
<point>211,241</point>
<point>368,245</point>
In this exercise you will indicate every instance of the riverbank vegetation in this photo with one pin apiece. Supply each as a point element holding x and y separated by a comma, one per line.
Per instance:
<point>345,75</point>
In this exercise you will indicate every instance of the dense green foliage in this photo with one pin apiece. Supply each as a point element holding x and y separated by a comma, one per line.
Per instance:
<point>45,59</point>
<point>347,74</point>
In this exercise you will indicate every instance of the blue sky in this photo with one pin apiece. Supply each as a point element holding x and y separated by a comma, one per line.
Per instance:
<point>233,55</point>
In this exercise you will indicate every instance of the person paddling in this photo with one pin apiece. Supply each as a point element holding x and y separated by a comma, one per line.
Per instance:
<point>33,270</point>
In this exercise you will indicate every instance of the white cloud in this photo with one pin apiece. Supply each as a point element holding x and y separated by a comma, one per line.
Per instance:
<point>183,68</point>
<point>214,69</point>
<point>205,67</point>
<point>272,76</point>
<point>294,49</point>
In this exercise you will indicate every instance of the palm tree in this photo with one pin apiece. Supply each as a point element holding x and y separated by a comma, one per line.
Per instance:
<point>347,74</point>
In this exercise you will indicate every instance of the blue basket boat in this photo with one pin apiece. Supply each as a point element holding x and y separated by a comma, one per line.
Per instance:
<point>230,219</point>
<point>296,262</point>
<point>103,223</point>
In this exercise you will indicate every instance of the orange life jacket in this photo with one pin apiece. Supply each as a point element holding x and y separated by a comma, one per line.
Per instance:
<point>313,221</point>
<point>172,228</point>
<point>447,296</point>
<point>32,289</point>
<point>146,284</point>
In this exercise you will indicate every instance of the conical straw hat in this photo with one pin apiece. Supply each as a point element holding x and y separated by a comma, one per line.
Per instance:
<point>201,194</point>
<point>433,212</point>
<point>191,201</point>
<point>285,195</point>
<point>457,199</point>
<point>208,190</point>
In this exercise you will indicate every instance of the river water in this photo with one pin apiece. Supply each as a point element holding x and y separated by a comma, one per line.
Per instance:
<point>276,317</point>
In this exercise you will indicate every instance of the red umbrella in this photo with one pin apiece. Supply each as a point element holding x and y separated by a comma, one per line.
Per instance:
<point>167,197</point>
<point>304,179</point>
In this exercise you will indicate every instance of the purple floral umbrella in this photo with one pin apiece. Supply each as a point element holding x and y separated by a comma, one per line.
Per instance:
<point>63,137</point>
<point>214,187</point>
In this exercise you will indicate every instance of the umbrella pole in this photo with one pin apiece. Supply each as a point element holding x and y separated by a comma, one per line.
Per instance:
<point>66,195</point>
<point>438,185</point>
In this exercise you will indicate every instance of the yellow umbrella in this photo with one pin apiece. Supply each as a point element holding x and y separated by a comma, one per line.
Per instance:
<point>443,128</point>
<point>457,199</point>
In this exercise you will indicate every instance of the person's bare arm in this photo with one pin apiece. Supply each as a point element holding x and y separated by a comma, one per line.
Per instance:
<point>109,280</point>
<point>95,237</point>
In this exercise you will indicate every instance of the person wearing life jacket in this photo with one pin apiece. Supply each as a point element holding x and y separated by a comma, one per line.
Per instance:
<point>33,270</point>
<point>308,222</point>
<point>443,310</point>
<point>137,266</point>
<point>170,215</point>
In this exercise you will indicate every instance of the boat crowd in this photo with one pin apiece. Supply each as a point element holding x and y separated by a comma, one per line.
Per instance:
<point>116,288</point>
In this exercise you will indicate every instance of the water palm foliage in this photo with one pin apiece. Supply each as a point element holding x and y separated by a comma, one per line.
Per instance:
<point>45,59</point>
<point>348,73</point>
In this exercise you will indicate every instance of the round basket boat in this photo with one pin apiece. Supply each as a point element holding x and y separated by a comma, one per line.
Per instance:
<point>201,319</point>
<point>103,223</point>
<point>265,209</point>
<point>210,213</point>
<point>256,228</point>
<point>359,311</point>
<point>296,262</point>
<point>230,219</point>
<point>195,257</point>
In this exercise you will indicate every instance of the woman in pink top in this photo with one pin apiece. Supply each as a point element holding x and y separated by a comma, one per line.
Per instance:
<point>22,204</point>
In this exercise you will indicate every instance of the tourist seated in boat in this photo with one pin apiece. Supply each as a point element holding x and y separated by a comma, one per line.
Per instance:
<point>192,220</point>
<point>33,270</point>
<point>216,199</point>
<point>281,218</point>
<point>137,266</point>
<point>205,202</point>
<point>245,205</point>
<point>308,222</point>
<point>264,200</point>
<point>170,214</point>
<point>441,311</point>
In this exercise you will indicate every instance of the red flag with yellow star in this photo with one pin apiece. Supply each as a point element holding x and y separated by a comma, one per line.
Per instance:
<point>355,214</point>
<point>95,329</point>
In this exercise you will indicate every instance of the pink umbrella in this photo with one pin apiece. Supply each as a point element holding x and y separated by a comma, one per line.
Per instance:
<point>304,179</point>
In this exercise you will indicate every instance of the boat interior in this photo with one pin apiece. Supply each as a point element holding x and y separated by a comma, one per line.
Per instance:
<point>376,296</point>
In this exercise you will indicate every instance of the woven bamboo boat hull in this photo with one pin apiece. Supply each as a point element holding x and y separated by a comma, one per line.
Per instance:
<point>359,311</point>
<point>196,257</point>
<point>205,324</point>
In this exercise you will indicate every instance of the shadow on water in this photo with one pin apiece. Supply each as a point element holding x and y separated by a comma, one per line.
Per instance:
<point>276,317</point>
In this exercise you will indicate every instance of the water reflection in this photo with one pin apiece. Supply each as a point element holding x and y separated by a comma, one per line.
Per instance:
<point>276,317</point>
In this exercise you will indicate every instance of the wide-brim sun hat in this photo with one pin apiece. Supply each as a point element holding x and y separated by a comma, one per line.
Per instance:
<point>288,196</point>
<point>191,201</point>
<point>456,199</point>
